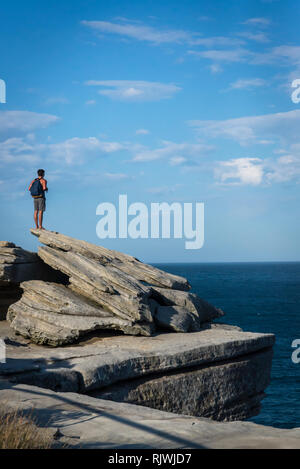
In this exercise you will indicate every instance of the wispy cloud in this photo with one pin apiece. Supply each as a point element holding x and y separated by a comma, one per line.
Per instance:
<point>142,132</point>
<point>259,171</point>
<point>283,126</point>
<point>139,32</point>
<point>256,36</point>
<point>24,121</point>
<point>216,41</point>
<point>177,153</point>
<point>73,151</point>
<point>127,90</point>
<point>260,21</point>
<point>222,55</point>
<point>247,84</point>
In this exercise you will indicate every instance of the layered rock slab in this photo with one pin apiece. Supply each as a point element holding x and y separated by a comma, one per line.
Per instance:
<point>132,297</point>
<point>18,265</point>
<point>51,314</point>
<point>231,390</point>
<point>218,372</point>
<point>123,262</point>
<point>86,422</point>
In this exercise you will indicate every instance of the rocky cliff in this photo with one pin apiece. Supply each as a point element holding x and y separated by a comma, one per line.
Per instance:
<point>134,333</point>
<point>104,290</point>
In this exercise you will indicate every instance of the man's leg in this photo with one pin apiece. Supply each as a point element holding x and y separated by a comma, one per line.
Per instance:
<point>41,213</point>
<point>35,216</point>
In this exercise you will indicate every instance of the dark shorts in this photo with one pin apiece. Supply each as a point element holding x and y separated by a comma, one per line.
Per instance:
<point>39,204</point>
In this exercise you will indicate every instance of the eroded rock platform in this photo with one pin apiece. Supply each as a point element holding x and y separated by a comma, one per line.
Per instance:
<point>220,372</point>
<point>86,422</point>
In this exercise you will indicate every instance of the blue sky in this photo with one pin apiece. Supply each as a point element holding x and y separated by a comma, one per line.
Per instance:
<point>163,101</point>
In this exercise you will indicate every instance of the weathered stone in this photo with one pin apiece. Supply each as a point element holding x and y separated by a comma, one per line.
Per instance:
<point>123,262</point>
<point>18,265</point>
<point>86,422</point>
<point>202,310</point>
<point>119,293</point>
<point>177,318</point>
<point>136,297</point>
<point>230,390</point>
<point>220,372</point>
<point>51,314</point>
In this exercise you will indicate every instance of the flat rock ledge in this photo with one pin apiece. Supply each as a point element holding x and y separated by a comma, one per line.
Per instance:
<point>85,422</point>
<point>220,372</point>
<point>100,289</point>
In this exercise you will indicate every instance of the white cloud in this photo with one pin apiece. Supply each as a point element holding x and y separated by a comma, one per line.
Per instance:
<point>176,152</point>
<point>240,171</point>
<point>257,36</point>
<point>77,150</point>
<point>223,55</point>
<point>285,168</point>
<point>72,151</point>
<point>258,21</point>
<point>136,30</point>
<point>247,83</point>
<point>24,121</point>
<point>216,41</point>
<point>142,132</point>
<point>177,160</point>
<point>257,171</point>
<point>15,150</point>
<point>127,90</point>
<point>282,126</point>
<point>139,32</point>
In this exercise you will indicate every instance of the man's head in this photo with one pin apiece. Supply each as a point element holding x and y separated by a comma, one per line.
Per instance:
<point>41,173</point>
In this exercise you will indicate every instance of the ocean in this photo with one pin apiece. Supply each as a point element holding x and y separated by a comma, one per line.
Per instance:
<point>258,297</point>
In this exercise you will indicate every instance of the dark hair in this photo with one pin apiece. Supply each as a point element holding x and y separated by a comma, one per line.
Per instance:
<point>40,172</point>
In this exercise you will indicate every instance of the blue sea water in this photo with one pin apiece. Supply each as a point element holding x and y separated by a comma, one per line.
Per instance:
<point>258,297</point>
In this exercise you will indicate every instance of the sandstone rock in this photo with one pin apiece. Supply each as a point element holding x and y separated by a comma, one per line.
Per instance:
<point>204,311</point>
<point>123,262</point>
<point>86,422</point>
<point>51,314</point>
<point>126,294</point>
<point>228,391</point>
<point>18,265</point>
<point>177,318</point>
<point>219,372</point>
<point>121,294</point>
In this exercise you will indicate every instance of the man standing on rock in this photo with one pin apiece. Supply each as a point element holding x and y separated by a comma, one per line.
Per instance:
<point>37,188</point>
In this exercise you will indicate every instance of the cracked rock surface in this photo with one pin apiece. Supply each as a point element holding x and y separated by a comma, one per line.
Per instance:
<point>104,289</point>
